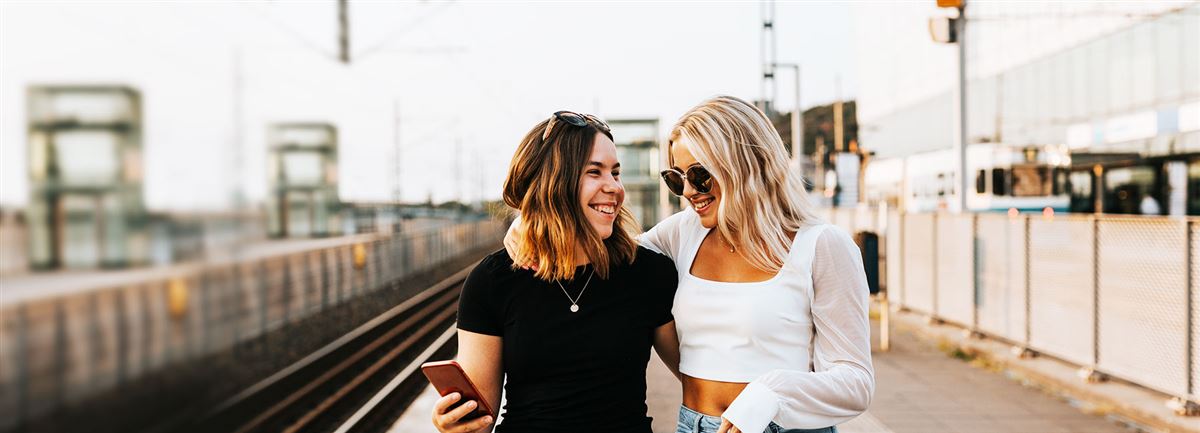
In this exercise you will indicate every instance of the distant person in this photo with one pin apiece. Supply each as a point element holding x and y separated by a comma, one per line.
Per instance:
<point>772,307</point>
<point>569,342</point>
<point>1149,206</point>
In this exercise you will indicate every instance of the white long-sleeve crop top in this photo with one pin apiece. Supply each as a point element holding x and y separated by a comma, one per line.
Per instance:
<point>801,339</point>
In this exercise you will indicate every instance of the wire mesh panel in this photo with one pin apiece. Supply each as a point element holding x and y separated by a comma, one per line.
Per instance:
<point>1000,263</point>
<point>955,268</point>
<point>894,258</point>
<point>1194,228</point>
<point>1143,301</point>
<point>919,262</point>
<point>1061,288</point>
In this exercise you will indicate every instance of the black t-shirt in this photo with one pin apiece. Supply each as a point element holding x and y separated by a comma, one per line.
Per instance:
<point>572,371</point>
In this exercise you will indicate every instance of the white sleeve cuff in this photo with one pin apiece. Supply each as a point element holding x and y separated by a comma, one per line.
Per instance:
<point>753,409</point>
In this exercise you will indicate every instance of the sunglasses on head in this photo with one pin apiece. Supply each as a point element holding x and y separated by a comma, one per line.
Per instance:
<point>574,119</point>
<point>695,174</point>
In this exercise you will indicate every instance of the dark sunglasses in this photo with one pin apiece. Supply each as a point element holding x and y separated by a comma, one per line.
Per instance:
<point>574,119</point>
<point>696,175</point>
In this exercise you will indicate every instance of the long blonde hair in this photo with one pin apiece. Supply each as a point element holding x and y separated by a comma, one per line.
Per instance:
<point>762,200</point>
<point>543,183</point>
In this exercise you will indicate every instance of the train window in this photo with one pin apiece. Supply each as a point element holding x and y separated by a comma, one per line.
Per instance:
<point>1125,189</point>
<point>1080,183</point>
<point>1060,181</point>
<point>981,182</point>
<point>1030,181</point>
<point>999,182</point>
<point>1193,187</point>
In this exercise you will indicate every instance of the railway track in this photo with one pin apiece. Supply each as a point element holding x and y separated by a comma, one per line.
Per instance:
<point>361,382</point>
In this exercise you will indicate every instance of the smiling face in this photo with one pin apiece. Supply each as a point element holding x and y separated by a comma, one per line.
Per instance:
<point>704,204</point>
<point>600,191</point>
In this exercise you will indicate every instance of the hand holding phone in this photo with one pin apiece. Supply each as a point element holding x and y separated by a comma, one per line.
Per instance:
<point>448,377</point>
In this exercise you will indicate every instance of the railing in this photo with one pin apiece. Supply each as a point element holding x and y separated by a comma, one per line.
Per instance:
<point>1115,295</point>
<point>55,351</point>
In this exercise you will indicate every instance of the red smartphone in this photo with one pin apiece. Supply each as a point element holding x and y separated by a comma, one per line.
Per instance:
<point>448,377</point>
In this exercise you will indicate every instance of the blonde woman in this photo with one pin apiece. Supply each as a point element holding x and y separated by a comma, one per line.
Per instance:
<point>568,343</point>
<point>771,309</point>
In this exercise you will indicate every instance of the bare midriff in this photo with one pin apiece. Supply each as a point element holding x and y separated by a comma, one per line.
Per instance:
<point>709,397</point>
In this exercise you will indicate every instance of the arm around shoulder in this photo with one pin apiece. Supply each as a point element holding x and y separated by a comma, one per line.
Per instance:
<point>667,236</point>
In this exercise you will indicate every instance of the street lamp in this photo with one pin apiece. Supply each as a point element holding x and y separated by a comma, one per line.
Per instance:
<point>954,31</point>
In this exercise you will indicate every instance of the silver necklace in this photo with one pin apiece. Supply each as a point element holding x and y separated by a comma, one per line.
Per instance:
<point>575,302</point>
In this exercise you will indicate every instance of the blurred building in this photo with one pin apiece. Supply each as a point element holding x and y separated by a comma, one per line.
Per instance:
<point>303,174</point>
<point>1101,78</point>
<point>85,172</point>
<point>1039,73</point>
<point>641,157</point>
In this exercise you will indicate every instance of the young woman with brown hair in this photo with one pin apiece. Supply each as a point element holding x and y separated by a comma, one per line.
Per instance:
<point>570,341</point>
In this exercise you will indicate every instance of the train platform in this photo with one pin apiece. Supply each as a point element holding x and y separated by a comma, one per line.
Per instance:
<point>919,388</point>
<point>32,286</point>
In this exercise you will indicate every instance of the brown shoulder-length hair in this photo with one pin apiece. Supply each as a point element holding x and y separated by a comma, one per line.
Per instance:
<point>543,183</point>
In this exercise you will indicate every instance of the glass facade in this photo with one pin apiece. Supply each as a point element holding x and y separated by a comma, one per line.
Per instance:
<point>641,158</point>
<point>1125,90</point>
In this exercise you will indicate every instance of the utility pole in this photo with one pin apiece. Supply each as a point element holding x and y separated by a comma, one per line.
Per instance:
<point>767,50</point>
<point>396,150</point>
<point>239,175</point>
<point>957,34</point>
<point>961,36</point>
<point>458,180</point>
<point>396,197</point>
<point>480,176</point>
<point>797,114</point>
<point>838,131</point>
<point>344,31</point>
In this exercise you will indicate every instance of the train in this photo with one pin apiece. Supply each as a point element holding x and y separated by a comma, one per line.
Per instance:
<point>1038,178</point>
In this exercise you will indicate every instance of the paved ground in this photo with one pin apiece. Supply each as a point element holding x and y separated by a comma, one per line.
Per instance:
<point>921,389</point>
<point>918,389</point>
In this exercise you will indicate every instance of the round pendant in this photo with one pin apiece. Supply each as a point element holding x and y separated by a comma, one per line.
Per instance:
<point>574,308</point>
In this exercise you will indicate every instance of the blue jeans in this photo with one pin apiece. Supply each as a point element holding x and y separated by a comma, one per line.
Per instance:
<point>691,421</point>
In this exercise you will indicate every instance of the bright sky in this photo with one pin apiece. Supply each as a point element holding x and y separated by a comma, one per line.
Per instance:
<point>475,73</point>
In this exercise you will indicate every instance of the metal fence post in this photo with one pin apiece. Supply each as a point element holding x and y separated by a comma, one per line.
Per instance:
<point>122,337</point>
<point>1026,352</point>
<point>1190,406</point>
<point>975,264</point>
<point>286,285</point>
<point>310,281</point>
<point>263,291</point>
<point>380,277</point>
<point>23,386</point>
<point>95,341</point>
<point>206,322</point>
<point>60,353</point>
<point>933,315</point>
<point>1089,373</point>
<point>323,257</point>
<point>903,266</point>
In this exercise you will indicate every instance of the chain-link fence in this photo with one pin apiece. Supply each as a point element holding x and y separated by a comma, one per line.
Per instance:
<point>1112,294</point>
<point>57,350</point>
